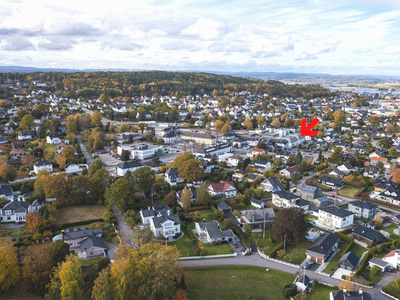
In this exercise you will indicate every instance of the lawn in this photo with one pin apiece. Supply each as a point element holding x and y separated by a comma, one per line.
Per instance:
<point>235,282</point>
<point>390,229</point>
<point>49,147</point>
<point>295,253</point>
<point>320,291</point>
<point>357,250</point>
<point>223,248</point>
<point>348,191</point>
<point>72,214</point>
<point>393,287</point>
<point>21,232</point>
<point>333,263</point>
<point>184,245</point>
<point>91,262</point>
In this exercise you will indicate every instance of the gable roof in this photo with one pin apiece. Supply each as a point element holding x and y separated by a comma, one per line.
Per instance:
<point>350,257</point>
<point>331,179</point>
<point>336,211</point>
<point>74,233</point>
<point>41,163</point>
<point>324,243</point>
<point>222,186</point>
<point>363,204</point>
<point>366,232</point>
<point>92,241</point>
<point>286,195</point>
<point>275,182</point>
<point>130,164</point>
<point>5,190</point>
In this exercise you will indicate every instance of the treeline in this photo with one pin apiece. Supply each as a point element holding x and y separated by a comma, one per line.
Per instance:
<point>131,84</point>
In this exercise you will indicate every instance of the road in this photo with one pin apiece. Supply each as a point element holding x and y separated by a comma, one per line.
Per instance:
<point>257,261</point>
<point>124,231</point>
<point>89,160</point>
<point>236,224</point>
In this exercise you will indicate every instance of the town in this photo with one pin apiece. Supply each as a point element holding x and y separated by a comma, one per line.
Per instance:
<point>212,179</point>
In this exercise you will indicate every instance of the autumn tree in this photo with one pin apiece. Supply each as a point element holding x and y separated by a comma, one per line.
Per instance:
<point>374,120</point>
<point>27,122</point>
<point>181,294</point>
<point>191,170</point>
<point>120,193</point>
<point>67,281</point>
<point>96,118</point>
<point>396,176</point>
<point>7,172</point>
<point>180,159</point>
<point>27,160</point>
<point>347,284</point>
<point>97,164</point>
<point>9,273</point>
<point>276,122</point>
<point>33,221</point>
<point>289,222</point>
<point>203,197</point>
<point>143,180</point>
<point>186,198</point>
<point>66,155</point>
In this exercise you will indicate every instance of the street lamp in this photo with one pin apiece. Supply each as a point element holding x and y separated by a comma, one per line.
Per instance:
<point>284,244</point>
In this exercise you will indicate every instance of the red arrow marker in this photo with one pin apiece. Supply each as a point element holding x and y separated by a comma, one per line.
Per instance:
<point>306,130</point>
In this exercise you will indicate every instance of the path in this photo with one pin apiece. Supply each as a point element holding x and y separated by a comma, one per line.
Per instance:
<point>236,224</point>
<point>89,160</point>
<point>124,231</point>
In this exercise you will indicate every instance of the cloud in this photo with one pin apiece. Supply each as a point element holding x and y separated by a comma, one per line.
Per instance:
<point>124,46</point>
<point>391,50</point>
<point>56,44</point>
<point>323,46</point>
<point>206,29</point>
<point>240,47</point>
<point>306,57</point>
<point>16,44</point>
<point>178,45</point>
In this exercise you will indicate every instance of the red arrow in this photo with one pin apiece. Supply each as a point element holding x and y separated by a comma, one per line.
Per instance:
<point>306,130</point>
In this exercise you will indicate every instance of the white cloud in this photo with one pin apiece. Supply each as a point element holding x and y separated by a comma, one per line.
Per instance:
<point>391,50</point>
<point>204,28</point>
<point>323,46</point>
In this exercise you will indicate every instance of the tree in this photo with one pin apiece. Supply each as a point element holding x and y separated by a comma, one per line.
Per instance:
<point>203,197</point>
<point>96,118</point>
<point>374,120</point>
<point>102,286</point>
<point>320,155</point>
<point>226,128</point>
<point>38,152</point>
<point>396,176</point>
<point>186,198</point>
<point>277,162</point>
<point>143,180</point>
<point>348,285</point>
<point>289,290</point>
<point>289,222</point>
<point>37,266</point>
<point>191,170</point>
<point>390,128</point>
<point>295,178</point>
<point>119,193</point>
<point>290,161</point>
<point>33,221</point>
<point>393,151</point>
<point>27,122</point>
<point>27,161</point>
<point>67,281</point>
<point>58,252</point>
<point>276,122</point>
<point>97,164</point>
<point>170,199</point>
<point>99,182</point>
<point>125,155</point>
<point>304,166</point>
<point>9,274</point>
<point>66,155</point>
<point>336,156</point>
<point>299,158</point>
<point>180,159</point>
<point>7,172</point>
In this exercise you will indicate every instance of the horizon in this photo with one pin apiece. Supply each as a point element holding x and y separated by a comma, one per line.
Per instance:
<point>315,36</point>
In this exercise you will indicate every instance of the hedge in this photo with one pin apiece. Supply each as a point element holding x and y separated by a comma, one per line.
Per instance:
<point>272,253</point>
<point>81,223</point>
<point>346,231</point>
<point>242,239</point>
<point>365,260</point>
<point>390,292</point>
<point>345,238</point>
<point>214,209</point>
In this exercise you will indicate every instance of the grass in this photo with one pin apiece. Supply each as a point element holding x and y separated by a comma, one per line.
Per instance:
<point>296,253</point>
<point>357,250</point>
<point>21,232</point>
<point>49,147</point>
<point>348,191</point>
<point>320,291</point>
<point>374,279</point>
<point>91,262</point>
<point>250,283</point>
<point>223,248</point>
<point>334,262</point>
<point>393,287</point>
<point>72,214</point>
<point>184,245</point>
<point>390,229</point>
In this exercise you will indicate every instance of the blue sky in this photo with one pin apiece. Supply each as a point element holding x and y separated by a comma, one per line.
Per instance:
<point>334,37</point>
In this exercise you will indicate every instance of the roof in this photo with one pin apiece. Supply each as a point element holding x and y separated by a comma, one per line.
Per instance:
<point>74,233</point>
<point>363,204</point>
<point>92,241</point>
<point>305,187</point>
<point>324,243</point>
<point>5,190</point>
<point>222,186</point>
<point>130,164</point>
<point>286,195</point>
<point>256,201</point>
<point>158,221</point>
<point>303,279</point>
<point>152,164</point>
<point>275,182</point>
<point>356,295</point>
<point>198,135</point>
<point>293,169</point>
<point>383,159</point>
<point>213,229</point>
<point>16,206</point>
<point>391,253</point>
<point>223,205</point>
<point>378,262</point>
<point>258,150</point>
<point>331,179</point>
<point>41,163</point>
<point>336,211</point>
<point>350,257</point>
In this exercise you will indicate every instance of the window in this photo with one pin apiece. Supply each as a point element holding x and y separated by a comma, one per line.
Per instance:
<point>91,253</point>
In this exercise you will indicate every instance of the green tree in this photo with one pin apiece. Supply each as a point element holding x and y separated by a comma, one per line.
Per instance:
<point>290,161</point>
<point>143,180</point>
<point>289,222</point>
<point>27,122</point>
<point>102,289</point>
<point>277,162</point>
<point>180,159</point>
<point>96,118</point>
<point>125,155</point>
<point>203,198</point>
<point>374,120</point>
<point>320,155</point>
<point>9,274</point>
<point>299,158</point>
<point>97,164</point>
<point>120,193</point>
<point>304,166</point>
<point>295,178</point>
<point>99,183</point>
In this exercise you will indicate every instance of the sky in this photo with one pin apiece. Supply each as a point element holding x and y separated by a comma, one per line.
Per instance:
<point>301,36</point>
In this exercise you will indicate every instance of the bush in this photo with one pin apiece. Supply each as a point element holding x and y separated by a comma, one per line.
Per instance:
<point>397,282</point>
<point>81,223</point>
<point>374,271</point>
<point>390,292</point>
<point>274,250</point>
<point>289,290</point>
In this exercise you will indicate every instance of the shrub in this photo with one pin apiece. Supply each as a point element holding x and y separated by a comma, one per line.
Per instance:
<point>289,290</point>
<point>390,292</point>
<point>397,282</point>
<point>374,271</point>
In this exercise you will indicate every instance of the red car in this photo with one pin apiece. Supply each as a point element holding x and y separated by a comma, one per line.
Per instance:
<point>334,196</point>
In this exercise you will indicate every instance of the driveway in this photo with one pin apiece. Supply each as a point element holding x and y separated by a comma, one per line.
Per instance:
<point>124,231</point>
<point>89,160</point>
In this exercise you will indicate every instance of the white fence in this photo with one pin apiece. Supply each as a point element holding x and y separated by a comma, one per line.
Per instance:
<point>386,294</point>
<point>208,256</point>
<point>263,255</point>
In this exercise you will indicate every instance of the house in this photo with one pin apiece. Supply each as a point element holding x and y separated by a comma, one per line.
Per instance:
<point>36,205</point>
<point>347,295</point>
<point>257,203</point>
<point>346,168</point>
<point>348,261</point>
<point>222,189</point>
<point>375,160</point>
<point>379,263</point>
<point>165,225</point>
<point>260,165</point>
<point>72,168</point>
<point>171,177</point>
<point>389,196</point>
<point>53,138</point>
<point>42,165</point>
<point>252,177</point>
<point>273,184</point>
<point>16,163</point>
<point>367,235</point>
<point>3,141</point>
<point>240,175</point>
<point>362,209</point>
<point>6,192</point>
<point>207,166</point>
<point>224,207</point>
<point>18,144</point>
<point>257,217</point>
<point>234,160</point>
<point>155,166</point>
<point>320,201</point>
<point>24,135</point>
<point>392,258</point>
<point>193,196</point>
<point>255,151</point>
<point>17,153</point>
<point>85,242</point>
<point>308,192</point>
<point>126,166</point>
<point>335,217</point>
<point>288,172</point>
<point>151,212</point>
<point>371,172</point>
<point>323,247</point>
<point>302,282</point>
<point>15,211</point>
<point>336,173</point>
<point>284,199</point>
<point>335,182</point>
<point>210,232</point>
<point>382,185</point>
<point>91,247</point>
<point>396,219</point>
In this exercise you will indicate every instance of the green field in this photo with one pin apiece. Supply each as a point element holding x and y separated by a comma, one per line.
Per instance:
<point>348,191</point>
<point>184,245</point>
<point>357,250</point>
<point>250,283</point>
<point>296,253</point>
<point>320,291</point>
<point>21,232</point>
<point>390,229</point>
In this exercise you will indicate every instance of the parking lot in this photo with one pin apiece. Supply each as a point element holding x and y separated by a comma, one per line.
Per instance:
<point>108,160</point>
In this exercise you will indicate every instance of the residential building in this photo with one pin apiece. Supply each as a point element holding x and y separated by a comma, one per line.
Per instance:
<point>15,211</point>
<point>362,209</point>
<point>335,217</point>
<point>126,166</point>
<point>335,182</point>
<point>273,184</point>
<point>257,217</point>
<point>6,192</point>
<point>17,153</point>
<point>347,295</point>
<point>346,168</point>
<point>72,168</point>
<point>156,211</point>
<point>375,160</point>
<point>199,138</point>
<point>367,235</point>
<point>308,192</point>
<point>24,135</point>
<point>240,175</point>
<point>348,261</point>
<point>224,207</point>
<point>288,172</point>
<point>172,178</point>
<point>165,225</point>
<point>85,242</point>
<point>222,189</point>
<point>323,247</point>
<point>284,199</point>
<point>257,203</point>
<point>210,232</point>
<point>193,196</point>
<point>392,258</point>
<point>255,151</point>
<point>371,172</point>
<point>389,196</point>
<point>217,149</point>
<point>260,165</point>
<point>42,165</point>
<point>234,160</point>
<point>320,201</point>
<point>336,173</point>
<point>53,138</point>
<point>155,166</point>
<point>141,150</point>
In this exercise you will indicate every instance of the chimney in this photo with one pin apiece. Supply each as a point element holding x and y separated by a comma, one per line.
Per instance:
<point>204,220</point>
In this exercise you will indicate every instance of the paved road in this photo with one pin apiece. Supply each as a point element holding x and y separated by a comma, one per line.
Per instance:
<point>89,160</point>
<point>236,224</point>
<point>124,231</point>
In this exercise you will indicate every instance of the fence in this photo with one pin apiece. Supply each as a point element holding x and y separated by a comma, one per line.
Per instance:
<point>208,256</point>
<point>263,255</point>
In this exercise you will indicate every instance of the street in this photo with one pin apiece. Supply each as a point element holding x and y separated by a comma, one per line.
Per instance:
<point>124,231</point>
<point>89,160</point>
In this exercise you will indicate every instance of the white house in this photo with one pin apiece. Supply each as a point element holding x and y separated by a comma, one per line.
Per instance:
<point>53,138</point>
<point>42,165</point>
<point>6,192</point>
<point>24,135</point>
<point>392,258</point>
<point>222,189</point>
<point>234,160</point>
<point>72,168</point>
<point>157,210</point>
<point>166,225</point>
<point>284,199</point>
<point>210,232</point>
<point>15,211</point>
<point>335,217</point>
<point>128,166</point>
<point>171,177</point>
